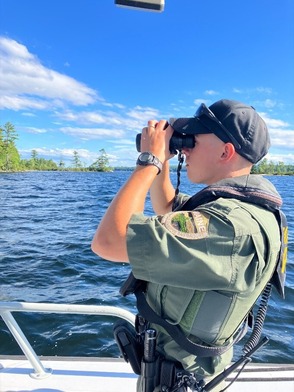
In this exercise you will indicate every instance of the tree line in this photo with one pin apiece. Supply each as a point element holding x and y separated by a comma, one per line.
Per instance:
<point>268,167</point>
<point>10,159</point>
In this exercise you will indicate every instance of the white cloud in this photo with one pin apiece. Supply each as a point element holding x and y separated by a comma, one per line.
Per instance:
<point>259,90</point>
<point>26,83</point>
<point>282,138</point>
<point>82,117</point>
<point>28,114</point>
<point>143,113</point>
<point>269,103</point>
<point>16,102</point>
<point>264,90</point>
<point>113,105</point>
<point>273,123</point>
<point>92,133</point>
<point>132,119</point>
<point>286,158</point>
<point>280,134</point>
<point>211,92</point>
<point>35,130</point>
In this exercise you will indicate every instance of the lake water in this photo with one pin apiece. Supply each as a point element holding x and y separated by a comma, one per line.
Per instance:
<point>47,224</point>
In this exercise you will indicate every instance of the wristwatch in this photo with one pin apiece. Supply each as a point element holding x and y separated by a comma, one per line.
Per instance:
<point>146,159</point>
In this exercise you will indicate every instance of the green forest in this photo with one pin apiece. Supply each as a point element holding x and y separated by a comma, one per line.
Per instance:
<point>11,161</point>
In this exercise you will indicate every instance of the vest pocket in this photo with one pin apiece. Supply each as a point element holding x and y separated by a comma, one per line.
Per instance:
<point>211,316</point>
<point>174,301</point>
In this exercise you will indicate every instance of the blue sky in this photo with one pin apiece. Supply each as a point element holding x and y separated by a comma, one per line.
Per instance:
<point>85,74</point>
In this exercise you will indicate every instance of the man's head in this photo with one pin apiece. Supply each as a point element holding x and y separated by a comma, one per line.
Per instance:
<point>232,122</point>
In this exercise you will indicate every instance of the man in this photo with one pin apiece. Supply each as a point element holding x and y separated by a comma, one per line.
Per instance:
<point>206,262</point>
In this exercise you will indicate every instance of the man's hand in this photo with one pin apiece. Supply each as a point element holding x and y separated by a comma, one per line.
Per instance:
<point>155,139</point>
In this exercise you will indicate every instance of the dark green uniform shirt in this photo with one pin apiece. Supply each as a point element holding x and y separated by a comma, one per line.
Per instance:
<point>205,269</point>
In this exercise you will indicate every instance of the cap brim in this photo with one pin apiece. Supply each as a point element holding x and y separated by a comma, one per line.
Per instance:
<point>188,126</point>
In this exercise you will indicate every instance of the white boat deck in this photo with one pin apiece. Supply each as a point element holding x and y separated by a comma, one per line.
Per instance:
<point>68,375</point>
<point>111,375</point>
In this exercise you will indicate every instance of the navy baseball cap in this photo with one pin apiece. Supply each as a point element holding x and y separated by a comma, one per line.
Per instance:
<point>231,121</point>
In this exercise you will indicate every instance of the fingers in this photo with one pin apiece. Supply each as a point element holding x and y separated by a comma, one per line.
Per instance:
<point>161,125</point>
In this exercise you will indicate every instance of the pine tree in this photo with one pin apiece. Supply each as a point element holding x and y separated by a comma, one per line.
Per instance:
<point>102,163</point>
<point>77,163</point>
<point>9,156</point>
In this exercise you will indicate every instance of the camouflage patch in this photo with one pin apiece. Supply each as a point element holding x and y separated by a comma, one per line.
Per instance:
<point>187,224</point>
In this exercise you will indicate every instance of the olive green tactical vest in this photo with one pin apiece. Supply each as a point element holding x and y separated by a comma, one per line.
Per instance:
<point>212,317</point>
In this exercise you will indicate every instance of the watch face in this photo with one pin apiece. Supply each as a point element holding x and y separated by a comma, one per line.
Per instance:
<point>145,157</point>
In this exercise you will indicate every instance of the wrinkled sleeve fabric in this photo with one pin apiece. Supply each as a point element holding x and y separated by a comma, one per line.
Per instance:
<point>222,258</point>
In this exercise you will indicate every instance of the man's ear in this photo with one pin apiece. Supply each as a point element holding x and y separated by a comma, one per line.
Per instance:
<point>228,152</point>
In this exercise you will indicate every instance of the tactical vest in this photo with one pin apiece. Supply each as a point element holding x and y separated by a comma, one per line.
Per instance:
<point>210,319</point>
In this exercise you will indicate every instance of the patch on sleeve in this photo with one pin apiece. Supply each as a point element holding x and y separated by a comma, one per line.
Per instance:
<point>187,224</point>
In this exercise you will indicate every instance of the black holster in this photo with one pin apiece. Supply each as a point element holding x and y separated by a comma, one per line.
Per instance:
<point>129,343</point>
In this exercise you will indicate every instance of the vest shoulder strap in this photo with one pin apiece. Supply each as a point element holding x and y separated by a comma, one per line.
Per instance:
<point>247,194</point>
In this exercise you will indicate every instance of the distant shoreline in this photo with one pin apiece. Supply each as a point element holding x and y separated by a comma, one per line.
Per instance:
<point>118,169</point>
